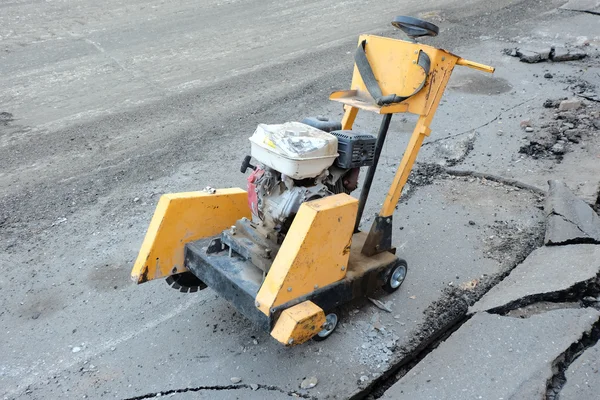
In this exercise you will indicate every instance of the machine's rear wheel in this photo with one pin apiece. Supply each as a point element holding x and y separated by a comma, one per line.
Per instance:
<point>396,277</point>
<point>331,322</point>
<point>186,282</point>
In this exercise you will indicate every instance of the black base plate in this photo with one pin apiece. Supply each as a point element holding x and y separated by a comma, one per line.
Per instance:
<point>239,281</point>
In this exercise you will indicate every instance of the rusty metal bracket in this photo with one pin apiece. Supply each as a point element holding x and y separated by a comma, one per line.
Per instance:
<point>379,238</point>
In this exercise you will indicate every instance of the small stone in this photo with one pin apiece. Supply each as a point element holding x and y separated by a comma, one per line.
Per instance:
<point>471,223</point>
<point>309,383</point>
<point>558,148</point>
<point>500,133</point>
<point>235,379</point>
<point>548,75</point>
<point>569,104</point>
<point>135,200</point>
<point>364,378</point>
<point>529,129</point>
<point>76,349</point>
<point>590,299</point>
<point>573,135</point>
<point>525,123</point>
<point>254,386</point>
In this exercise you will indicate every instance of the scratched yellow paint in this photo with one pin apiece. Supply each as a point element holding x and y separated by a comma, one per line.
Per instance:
<point>299,323</point>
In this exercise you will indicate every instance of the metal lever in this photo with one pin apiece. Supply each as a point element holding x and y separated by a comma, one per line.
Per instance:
<point>474,65</point>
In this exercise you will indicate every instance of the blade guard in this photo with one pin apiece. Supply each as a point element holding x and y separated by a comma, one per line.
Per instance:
<point>180,218</point>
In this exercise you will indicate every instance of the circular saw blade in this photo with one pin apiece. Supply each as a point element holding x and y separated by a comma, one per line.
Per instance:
<point>186,282</point>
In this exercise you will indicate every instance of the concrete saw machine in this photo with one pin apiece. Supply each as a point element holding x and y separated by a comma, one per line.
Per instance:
<point>287,251</point>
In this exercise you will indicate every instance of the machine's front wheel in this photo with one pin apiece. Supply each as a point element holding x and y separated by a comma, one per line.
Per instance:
<point>331,322</point>
<point>396,277</point>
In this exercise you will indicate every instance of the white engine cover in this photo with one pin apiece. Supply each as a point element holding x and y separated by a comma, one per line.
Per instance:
<point>294,149</point>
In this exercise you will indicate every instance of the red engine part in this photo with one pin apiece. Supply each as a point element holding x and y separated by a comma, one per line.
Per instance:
<point>252,196</point>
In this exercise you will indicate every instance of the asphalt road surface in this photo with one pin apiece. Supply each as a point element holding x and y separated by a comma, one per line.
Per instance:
<point>106,105</point>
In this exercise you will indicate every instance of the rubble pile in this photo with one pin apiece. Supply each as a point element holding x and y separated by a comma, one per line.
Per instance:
<point>572,121</point>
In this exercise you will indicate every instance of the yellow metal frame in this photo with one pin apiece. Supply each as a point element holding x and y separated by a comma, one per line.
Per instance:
<point>394,64</point>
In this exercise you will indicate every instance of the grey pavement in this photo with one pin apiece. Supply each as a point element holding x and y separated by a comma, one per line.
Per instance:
<point>496,357</point>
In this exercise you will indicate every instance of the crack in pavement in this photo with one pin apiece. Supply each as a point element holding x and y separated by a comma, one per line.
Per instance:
<point>423,174</point>
<point>480,126</point>
<point>221,387</point>
<point>587,240</point>
<point>577,292</point>
<point>496,178</point>
<point>444,317</point>
<point>564,360</point>
<point>584,11</point>
<point>569,221</point>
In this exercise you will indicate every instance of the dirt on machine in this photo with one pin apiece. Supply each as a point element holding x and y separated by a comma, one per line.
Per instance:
<point>287,251</point>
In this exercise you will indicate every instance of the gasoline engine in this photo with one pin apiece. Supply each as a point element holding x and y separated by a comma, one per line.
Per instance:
<point>296,162</point>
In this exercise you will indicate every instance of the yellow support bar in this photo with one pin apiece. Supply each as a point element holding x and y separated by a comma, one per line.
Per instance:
<point>421,131</point>
<point>349,117</point>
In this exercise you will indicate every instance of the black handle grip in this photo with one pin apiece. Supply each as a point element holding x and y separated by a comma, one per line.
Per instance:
<point>246,164</point>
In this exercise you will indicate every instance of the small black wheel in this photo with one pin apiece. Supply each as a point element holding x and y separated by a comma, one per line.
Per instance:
<point>396,276</point>
<point>331,322</point>
<point>186,282</point>
<point>414,27</point>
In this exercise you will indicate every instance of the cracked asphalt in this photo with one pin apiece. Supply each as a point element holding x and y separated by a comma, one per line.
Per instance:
<point>105,106</point>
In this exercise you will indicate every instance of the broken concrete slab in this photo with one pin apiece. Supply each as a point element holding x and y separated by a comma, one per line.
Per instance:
<point>531,56</point>
<point>583,378</point>
<point>569,219</point>
<point>546,274</point>
<point>495,357</point>
<point>555,54</point>
<point>567,54</point>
